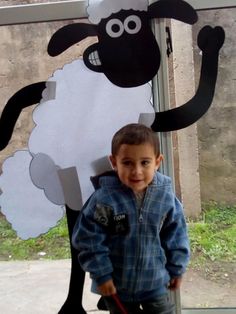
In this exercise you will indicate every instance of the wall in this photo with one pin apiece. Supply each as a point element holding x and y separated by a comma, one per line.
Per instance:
<point>206,150</point>
<point>182,75</point>
<point>217,129</point>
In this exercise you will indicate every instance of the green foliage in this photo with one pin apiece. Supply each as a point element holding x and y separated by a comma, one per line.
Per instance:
<point>52,245</point>
<point>213,236</point>
<point>219,214</point>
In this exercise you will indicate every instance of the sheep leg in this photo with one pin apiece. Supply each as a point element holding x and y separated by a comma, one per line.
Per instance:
<point>73,303</point>
<point>72,193</point>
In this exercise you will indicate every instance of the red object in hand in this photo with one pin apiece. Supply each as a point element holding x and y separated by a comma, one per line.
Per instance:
<point>119,304</point>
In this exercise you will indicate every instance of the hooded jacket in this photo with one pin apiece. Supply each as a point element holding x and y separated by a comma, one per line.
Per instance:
<point>140,249</point>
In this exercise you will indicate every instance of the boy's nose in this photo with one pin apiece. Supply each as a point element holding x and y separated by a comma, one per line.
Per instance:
<point>137,169</point>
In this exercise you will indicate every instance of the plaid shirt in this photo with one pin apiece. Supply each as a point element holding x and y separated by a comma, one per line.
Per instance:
<point>140,249</point>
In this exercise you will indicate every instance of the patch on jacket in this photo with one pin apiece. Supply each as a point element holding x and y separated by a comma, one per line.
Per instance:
<point>115,224</point>
<point>120,224</point>
<point>103,214</point>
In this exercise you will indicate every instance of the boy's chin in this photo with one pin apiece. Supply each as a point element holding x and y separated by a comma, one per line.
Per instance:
<point>139,190</point>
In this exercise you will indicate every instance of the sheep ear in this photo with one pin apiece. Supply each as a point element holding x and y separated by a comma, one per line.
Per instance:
<point>175,9</point>
<point>69,35</point>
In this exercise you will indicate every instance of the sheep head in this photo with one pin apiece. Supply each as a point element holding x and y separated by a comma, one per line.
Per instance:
<point>127,51</point>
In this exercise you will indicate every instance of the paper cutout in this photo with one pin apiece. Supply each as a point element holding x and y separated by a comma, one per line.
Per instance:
<point>103,164</point>
<point>210,40</point>
<point>146,119</point>
<point>83,121</point>
<point>44,174</point>
<point>76,136</point>
<point>69,36</point>
<point>23,98</point>
<point>71,187</point>
<point>98,10</point>
<point>127,50</point>
<point>119,53</point>
<point>24,205</point>
<point>173,9</point>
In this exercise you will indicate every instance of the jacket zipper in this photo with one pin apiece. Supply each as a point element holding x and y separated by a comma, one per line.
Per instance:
<point>137,218</point>
<point>139,222</point>
<point>140,219</point>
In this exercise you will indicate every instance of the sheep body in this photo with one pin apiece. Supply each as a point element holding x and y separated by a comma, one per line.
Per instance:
<point>80,122</point>
<point>75,130</point>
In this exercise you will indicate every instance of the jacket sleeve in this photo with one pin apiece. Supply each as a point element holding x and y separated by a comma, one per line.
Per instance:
<point>90,239</point>
<point>175,242</point>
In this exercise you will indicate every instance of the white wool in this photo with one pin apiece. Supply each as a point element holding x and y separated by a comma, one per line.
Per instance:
<point>74,129</point>
<point>100,9</point>
<point>24,205</point>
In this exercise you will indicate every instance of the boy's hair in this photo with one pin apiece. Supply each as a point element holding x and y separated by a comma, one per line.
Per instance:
<point>135,134</point>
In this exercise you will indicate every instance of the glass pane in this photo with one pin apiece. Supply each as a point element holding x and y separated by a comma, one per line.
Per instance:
<point>205,160</point>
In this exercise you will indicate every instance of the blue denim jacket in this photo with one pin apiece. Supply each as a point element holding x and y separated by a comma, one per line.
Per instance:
<point>139,249</point>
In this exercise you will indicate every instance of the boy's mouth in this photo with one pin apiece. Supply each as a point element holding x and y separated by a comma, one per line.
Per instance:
<point>136,180</point>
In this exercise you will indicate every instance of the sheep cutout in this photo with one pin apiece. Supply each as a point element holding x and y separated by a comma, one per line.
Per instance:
<point>82,105</point>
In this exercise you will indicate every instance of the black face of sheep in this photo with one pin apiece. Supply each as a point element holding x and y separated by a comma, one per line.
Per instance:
<point>128,52</point>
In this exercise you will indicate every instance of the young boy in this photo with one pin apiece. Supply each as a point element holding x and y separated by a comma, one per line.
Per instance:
<point>131,234</point>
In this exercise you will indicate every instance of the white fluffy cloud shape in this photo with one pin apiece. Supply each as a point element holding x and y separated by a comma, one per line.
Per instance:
<point>100,9</point>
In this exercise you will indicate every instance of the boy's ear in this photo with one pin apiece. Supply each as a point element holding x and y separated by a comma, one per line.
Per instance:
<point>158,161</point>
<point>113,161</point>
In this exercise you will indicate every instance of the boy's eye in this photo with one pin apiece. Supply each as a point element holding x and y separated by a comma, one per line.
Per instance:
<point>145,162</point>
<point>126,163</point>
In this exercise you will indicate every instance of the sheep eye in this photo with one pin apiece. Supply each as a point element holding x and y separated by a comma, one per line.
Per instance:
<point>114,28</point>
<point>132,24</point>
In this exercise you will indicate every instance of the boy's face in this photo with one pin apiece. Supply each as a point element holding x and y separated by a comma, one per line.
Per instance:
<point>136,165</point>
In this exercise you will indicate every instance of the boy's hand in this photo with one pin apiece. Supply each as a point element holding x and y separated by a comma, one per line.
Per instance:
<point>107,288</point>
<point>175,283</point>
